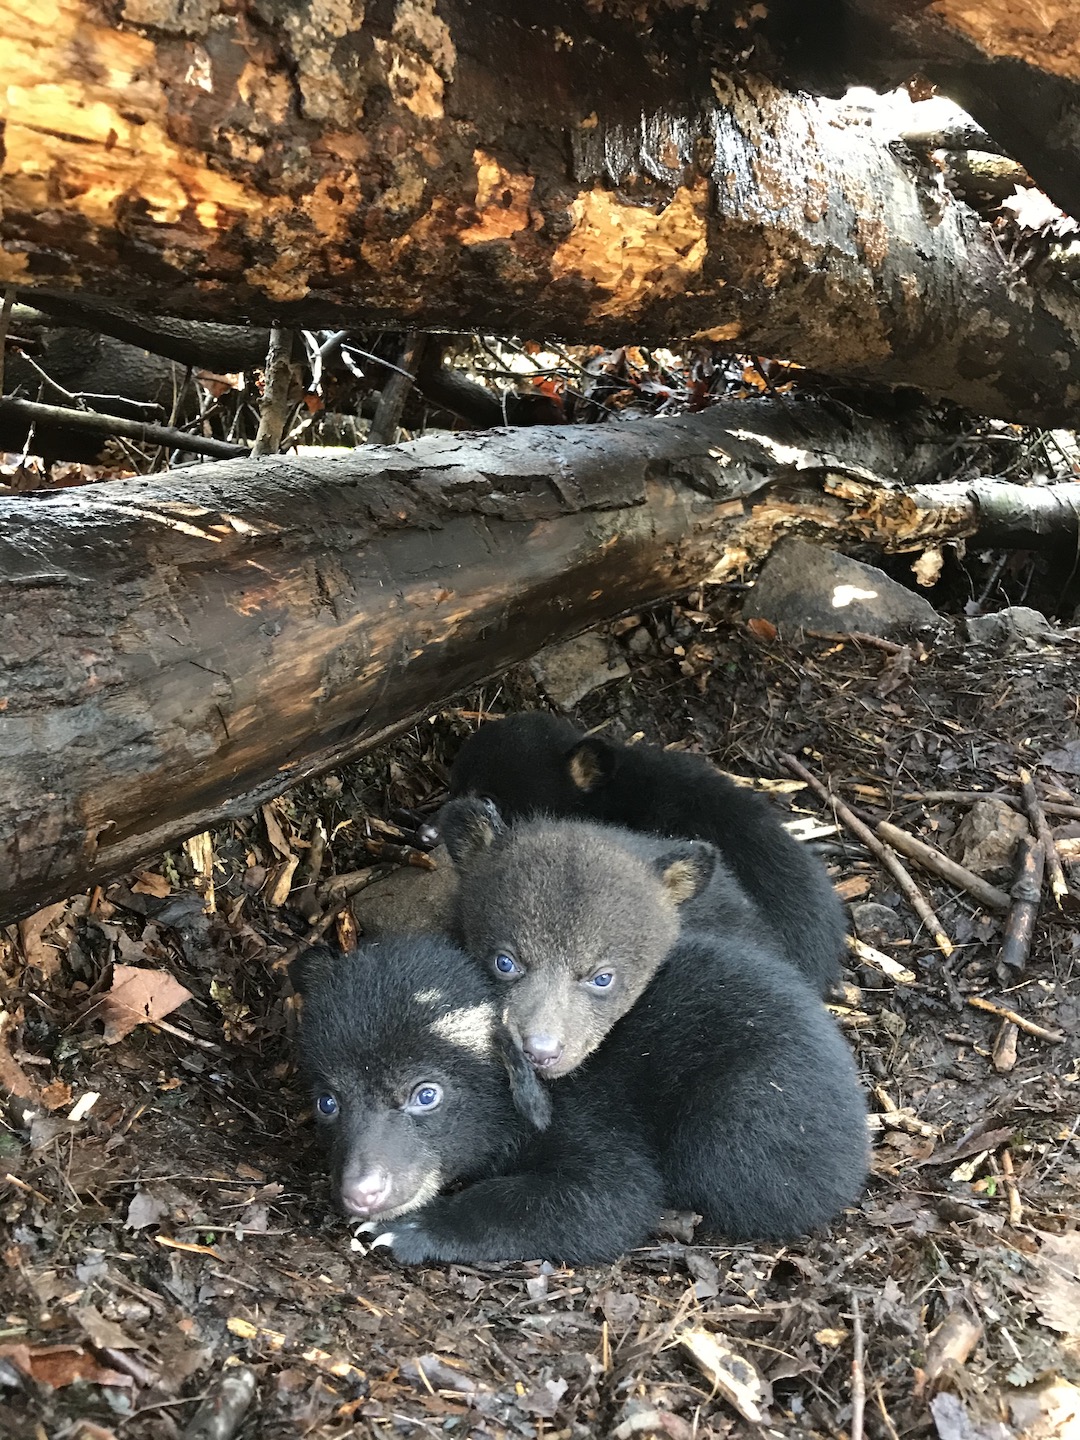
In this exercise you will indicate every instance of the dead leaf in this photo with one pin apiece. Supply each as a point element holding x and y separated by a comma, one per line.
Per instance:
<point>277,892</point>
<point>927,568</point>
<point>56,1095</point>
<point>105,1334</point>
<point>60,1365</point>
<point>762,629</point>
<point>730,1374</point>
<point>275,834</point>
<point>24,1099</point>
<point>148,883</point>
<point>953,1422</point>
<point>145,1209</point>
<point>139,997</point>
<point>950,1348</point>
<point>35,951</point>
<point>1057,1292</point>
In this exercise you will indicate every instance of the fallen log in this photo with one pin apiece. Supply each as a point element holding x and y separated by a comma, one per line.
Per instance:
<point>168,662</point>
<point>640,189</point>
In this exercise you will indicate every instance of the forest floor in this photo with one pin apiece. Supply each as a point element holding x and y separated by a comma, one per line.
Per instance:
<point>178,1228</point>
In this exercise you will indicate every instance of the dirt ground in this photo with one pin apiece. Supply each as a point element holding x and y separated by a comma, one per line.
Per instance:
<point>179,1230</point>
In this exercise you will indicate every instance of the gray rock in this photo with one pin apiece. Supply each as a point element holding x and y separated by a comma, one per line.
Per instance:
<point>408,902</point>
<point>875,923</point>
<point>1018,621</point>
<point>569,671</point>
<point>986,838</point>
<point>820,589</point>
<point>640,641</point>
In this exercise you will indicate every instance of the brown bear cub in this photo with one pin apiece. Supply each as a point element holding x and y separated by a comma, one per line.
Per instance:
<point>536,764</point>
<point>575,919</point>
<point>407,1061</point>
<point>718,1048</point>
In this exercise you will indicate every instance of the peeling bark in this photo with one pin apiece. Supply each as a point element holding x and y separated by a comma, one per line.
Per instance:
<point>448,166</point>
<point>166,663</point>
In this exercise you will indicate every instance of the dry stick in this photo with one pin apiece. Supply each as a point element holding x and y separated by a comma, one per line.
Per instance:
<point>860,638</point>
<point>1052,1037</point>
<point>339,891</point>
<point>858,1377</point>
<point>274,405</point>
<point>1037,817</point>
<point>939,864</point>
<point>1026,893</point>
<point>91,422</point>
<point>1016,1209</point>
<point>221,1413</point>
<point>887,857</point>
<point>395,392</point>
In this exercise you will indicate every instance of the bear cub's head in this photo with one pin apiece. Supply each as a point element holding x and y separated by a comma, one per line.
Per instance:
<point>407,1060</point>
<point>572,919</point>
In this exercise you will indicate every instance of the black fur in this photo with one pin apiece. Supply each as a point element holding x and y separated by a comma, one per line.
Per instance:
<point>527,764</point>
<point>566,901</point>
<point>749,1091</point>
<point>380,1023</point>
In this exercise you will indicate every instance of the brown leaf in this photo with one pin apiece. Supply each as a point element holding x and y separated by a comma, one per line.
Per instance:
<point>14,1081</point>
<point>105,1334</point>
<point>139,997</point>
<point>36,952</point>
<point>762,629</point>
<point>275,834</point>
<point>148,883</point>
<point>59,1365</point>
<point>1057,1293</point>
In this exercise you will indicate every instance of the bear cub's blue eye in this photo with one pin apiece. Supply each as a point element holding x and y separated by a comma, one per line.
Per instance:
<point>601,982</point>
<point>326,1105</point>
<point>506,964</point>
<point>425,1097</point>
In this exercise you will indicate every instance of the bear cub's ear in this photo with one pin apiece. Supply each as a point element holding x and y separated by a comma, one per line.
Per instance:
<point>469,825</point>
<point>312,967</point>
<point>591,763</point>
<point>686,868</point>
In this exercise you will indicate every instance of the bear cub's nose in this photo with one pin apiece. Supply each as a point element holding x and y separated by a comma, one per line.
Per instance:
<point>543,1050</point>
<point>365,1194</point>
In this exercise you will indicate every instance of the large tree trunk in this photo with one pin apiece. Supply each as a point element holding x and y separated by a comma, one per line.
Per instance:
<point>167,663</point>
<point>448,166</point>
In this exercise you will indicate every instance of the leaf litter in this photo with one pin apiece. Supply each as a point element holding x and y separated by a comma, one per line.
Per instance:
<point>176,1234</point>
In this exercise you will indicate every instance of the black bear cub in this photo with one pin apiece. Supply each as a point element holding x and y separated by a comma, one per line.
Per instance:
<point>573,919</point>
<point>407,1061</point>
<point>720,1050</point>
<point>535,763</point>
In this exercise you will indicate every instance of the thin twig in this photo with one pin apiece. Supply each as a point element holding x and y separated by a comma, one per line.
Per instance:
<point>1052,1037</point>
<point>891,647</point>
<point>1026,894</point>
<point>1016,1209</point>
<point>92,422</point>
<point>939,864</point>
<point>1058,886</point>
<point>888,857</point>
<point>858,1376</point>
<point>274,406</point>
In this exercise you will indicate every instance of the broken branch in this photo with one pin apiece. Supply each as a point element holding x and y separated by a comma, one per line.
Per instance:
<point>939,864</point>
<point>888,857</point>
<point>1026,893</point>
<point>1037,816</point>
<point>1029,1027</point>
<point>92,422</point>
